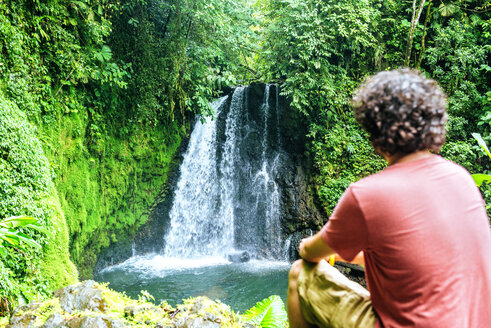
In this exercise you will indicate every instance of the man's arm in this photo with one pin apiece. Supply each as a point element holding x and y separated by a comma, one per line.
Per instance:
<point>314,249</point>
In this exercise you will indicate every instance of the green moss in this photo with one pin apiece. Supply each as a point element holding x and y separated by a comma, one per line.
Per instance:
<point>56,265</point>
<point>27,188</point>
<point>106,196</point>
<point>45,310</point>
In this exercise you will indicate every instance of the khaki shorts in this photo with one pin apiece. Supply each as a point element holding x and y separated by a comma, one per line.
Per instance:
<point>329,299</point>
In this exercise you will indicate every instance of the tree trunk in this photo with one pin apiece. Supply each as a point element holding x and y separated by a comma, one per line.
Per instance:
<point>427,19</point>
<point>414,23</point>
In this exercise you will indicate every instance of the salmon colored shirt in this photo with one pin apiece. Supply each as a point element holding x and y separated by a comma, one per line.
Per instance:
<point>427,244</point>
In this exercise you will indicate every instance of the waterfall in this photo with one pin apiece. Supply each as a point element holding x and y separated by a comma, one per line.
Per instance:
<point>195,228</point>
<point>227,197</point>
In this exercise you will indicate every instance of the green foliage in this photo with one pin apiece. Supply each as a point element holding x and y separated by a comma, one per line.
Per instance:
<point>27,189</point>
<point>11,236</point>
<point>268,313</point>
<point>481,143</point>
<point>181,54</point>
<point>342,154</point>
<point>480,178</point>
<point>110,87</point>
<point>319,50</point>
<point>483,180</point>
<point>309,46</point>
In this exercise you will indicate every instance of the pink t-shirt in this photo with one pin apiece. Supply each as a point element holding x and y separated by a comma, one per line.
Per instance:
<point>427,242</point>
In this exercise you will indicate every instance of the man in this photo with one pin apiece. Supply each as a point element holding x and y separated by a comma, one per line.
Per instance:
<point>419,226</point>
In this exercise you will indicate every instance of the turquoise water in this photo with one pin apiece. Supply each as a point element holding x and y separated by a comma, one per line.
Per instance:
<point>239,285</point>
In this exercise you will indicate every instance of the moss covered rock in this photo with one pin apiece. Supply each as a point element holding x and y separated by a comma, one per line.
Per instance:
<point>90,304</point>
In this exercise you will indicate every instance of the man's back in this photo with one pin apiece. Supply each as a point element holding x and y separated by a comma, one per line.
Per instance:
<point>421,224</point>
<point>427,244</point>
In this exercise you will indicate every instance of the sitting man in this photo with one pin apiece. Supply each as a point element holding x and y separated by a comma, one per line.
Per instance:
<point>420,225</point>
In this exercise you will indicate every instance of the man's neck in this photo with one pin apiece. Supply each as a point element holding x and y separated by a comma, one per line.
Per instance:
<point>401,158</point>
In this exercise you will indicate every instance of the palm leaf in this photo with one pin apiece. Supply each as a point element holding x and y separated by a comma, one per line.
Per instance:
<point>27,240</point>
<point>480,178</point>
<point>268,313</point>
<point>17,221</point>
<point>481,143</point>
<point>447,10</point>
<point>10,235</point>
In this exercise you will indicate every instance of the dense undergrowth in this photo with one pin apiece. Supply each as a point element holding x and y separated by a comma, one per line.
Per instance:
<point>102,92</point>
<point>96,96</point>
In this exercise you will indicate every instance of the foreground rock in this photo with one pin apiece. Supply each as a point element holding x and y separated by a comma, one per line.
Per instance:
<point>90,304</point>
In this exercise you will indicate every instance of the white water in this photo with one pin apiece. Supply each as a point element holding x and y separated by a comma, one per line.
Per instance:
<point>219,196</point>
<point>195,228</point>
<point>154,265</point>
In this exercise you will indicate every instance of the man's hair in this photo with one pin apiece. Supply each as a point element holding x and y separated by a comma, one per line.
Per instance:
<point>402,111</point>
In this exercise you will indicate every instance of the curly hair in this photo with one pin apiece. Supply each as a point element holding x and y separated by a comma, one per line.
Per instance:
<point>402,111</point>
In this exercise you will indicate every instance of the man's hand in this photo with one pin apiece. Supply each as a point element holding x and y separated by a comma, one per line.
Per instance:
<point>314,249</point>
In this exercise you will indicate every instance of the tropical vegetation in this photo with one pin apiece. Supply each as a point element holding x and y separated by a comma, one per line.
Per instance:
<point>97,95</point>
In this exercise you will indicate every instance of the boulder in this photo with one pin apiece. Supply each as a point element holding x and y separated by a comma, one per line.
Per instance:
<point>24,316</point>
<point>82,297</point>
<point>189,322</point>
<point>89,304</point>
<point>95,322</point>
<point>239,257</point>
<point>56,320</point>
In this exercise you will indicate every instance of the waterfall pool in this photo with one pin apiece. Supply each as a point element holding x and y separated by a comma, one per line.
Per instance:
<point>239,285</point>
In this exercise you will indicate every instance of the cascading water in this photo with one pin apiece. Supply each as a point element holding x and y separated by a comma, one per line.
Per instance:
<point>227,198</point>
<point>196,229</point>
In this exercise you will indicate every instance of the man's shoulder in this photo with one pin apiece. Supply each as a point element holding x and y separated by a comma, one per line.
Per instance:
<point>410,175</point>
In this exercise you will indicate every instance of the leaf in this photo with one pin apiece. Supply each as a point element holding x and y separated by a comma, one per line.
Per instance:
<point>448,9</point>
<point>17,221</point>
<point>106,53</point>
<point>81,5</point>
<point>27,240</point>
<point>268,313</point>
<point>480,178</point>
<point>39,228</point>
<point>481,143</point>
<point>10,238</point>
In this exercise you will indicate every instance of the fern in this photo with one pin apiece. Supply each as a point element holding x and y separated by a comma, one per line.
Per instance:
<point>268,313</point>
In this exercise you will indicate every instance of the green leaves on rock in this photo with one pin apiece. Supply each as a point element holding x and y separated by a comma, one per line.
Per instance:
<point>268,313</point>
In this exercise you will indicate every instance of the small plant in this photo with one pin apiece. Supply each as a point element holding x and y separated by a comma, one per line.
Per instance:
<point>11,236</point>
<point>268,313</point>
<point>480,177</point>
<point>145,296</point>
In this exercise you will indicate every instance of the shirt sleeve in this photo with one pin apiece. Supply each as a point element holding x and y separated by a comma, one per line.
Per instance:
<point>346,231</point>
